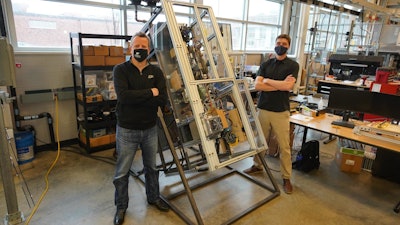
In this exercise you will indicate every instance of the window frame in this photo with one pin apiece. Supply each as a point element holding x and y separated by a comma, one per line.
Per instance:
<point>12,32</point>
<point>123,7</point>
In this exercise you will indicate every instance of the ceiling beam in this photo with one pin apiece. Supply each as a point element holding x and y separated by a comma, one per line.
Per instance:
<point>377,8</point>
<point>329,6</point>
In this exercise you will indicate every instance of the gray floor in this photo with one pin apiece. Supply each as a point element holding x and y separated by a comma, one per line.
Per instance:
<point>81,192</point>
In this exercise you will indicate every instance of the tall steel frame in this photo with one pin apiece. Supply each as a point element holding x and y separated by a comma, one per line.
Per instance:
<point>14,215</point>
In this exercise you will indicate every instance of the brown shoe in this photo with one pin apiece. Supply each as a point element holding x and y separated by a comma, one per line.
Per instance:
<point>253,169</point>
<point>287,186</point>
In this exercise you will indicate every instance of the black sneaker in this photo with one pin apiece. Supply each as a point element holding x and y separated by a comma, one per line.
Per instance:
<point>119,217</point>
<point>161,205</point>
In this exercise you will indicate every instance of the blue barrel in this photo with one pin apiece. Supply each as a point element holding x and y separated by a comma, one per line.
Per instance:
<point>24,143</point>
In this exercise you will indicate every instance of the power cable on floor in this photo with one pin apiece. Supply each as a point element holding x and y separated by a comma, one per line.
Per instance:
<point>51,167</point>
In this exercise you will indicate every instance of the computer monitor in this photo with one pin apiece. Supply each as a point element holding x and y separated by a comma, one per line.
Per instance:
<point>386,105</point>
<point>352,100</point>
<point>349,100</point>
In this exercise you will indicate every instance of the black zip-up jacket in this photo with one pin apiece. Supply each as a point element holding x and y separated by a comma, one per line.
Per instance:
<point>136,105</point>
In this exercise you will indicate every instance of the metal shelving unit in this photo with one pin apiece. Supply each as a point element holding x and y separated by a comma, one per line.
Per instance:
<point>90,114</point>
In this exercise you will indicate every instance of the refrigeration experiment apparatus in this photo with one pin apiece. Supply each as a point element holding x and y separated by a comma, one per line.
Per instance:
<point>203,89</point>
<point>211,108</point>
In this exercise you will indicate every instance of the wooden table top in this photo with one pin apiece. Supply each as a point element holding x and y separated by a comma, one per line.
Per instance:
<point>323,123</point>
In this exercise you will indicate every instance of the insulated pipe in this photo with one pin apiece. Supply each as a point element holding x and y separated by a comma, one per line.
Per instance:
<point>136,15</point>
<point>18,118</point>
<point>287,12</point>
<point>33,117</point>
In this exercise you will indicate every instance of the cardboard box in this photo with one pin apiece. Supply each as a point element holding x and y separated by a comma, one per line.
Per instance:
<point>112,138</point>
<point>116,51</point>
<point>90,80</point>
<point>92,60</point>
<point>109,76</point>
<point>86,50</point>
<point>175,81</point>
<point>311,112</point>
<point>97,141</point>
<point>350,160</point>
<point>98,132</point>
<point>109,95</point>
<point>308,112</point>
<point>389,88</point>
<point>114,60</point>
<point>101,50</point>
<point>109,86</point>
<point>237,126</point>
<point>92,98</point>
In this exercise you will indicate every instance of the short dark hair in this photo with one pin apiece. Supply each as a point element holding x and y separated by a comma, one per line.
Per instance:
<point>285,36</point>
<point>140,34</point>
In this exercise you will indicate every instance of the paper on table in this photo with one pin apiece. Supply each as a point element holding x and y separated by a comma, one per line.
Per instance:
<point>376,87</point>
<point>301,117</point>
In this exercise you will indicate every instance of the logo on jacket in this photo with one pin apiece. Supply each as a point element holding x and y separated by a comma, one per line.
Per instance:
<point>151,76</point>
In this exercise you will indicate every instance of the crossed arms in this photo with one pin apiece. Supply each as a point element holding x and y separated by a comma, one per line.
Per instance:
<point>267,84</point>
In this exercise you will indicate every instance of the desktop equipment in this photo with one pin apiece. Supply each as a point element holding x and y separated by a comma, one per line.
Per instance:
<point>250,70</point>
<point>349,100</point>
<point>352,67</point>
<point>352,100</point>
<point>386,105</point>
<point>385,75</point>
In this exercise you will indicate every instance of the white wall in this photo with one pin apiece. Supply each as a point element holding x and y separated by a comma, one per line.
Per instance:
<point>46,71</point>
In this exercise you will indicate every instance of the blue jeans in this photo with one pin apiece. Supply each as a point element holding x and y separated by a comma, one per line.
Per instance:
<point>128,141</point>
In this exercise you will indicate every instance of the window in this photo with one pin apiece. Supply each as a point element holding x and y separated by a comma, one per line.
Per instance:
<point>334,29</point>
<point>45,24</point>
<point>265,11</point>
<point>227,8</point>
<point>262,22</point>
<point>136,20</point>
<point>104,1</point>
<point>263,37</point>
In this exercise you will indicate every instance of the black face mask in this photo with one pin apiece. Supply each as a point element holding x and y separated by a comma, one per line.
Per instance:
<point>140,54</point>
<point>280,50</point>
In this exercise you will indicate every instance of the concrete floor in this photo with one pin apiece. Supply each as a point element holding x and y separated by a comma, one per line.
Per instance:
<point>81,192</point>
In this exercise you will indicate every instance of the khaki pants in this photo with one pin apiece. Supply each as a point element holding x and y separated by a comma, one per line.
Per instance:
<point>273,146</point>
<point>278,122</point>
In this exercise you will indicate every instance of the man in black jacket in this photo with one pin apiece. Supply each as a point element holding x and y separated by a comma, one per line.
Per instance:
<point>141,89</point>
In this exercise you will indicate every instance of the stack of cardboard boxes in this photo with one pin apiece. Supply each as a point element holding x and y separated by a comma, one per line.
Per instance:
<point>97,137</point>
<point>102,55</point>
